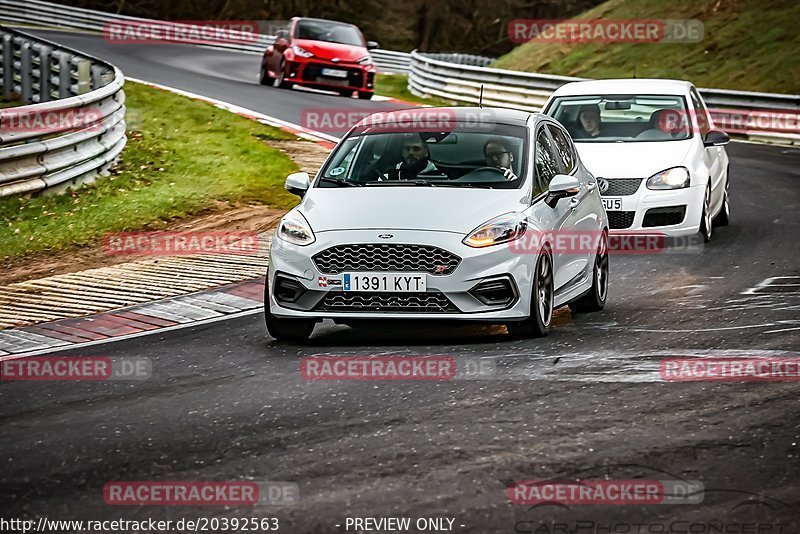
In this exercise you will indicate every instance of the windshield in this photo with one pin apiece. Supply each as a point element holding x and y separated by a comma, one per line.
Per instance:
<point>463,158</point>
<point>622,118</point>
<point>330,32</point>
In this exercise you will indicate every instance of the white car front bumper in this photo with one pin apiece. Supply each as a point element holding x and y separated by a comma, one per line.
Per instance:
<point>635,210</point>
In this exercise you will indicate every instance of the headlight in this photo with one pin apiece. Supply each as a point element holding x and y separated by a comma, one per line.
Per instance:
<point>302,52</point>
<point>502,229</point>
<point>674,178</point>
<point>366,60</point>
<point>294,229</point>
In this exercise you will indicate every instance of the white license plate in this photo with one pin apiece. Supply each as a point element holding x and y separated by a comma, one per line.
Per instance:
<point>334,73</point>
<point>612,204</point>
<point>385,282</point>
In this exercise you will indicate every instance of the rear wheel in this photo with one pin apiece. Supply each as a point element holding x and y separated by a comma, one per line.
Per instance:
<point>282,83</point>
<point>296,330</point>
<point>595,299</point>
<point>538,323</point>
<point>365,95</point>
<point>265,78</point>
<point>345,92</point>
<point>706,224</point>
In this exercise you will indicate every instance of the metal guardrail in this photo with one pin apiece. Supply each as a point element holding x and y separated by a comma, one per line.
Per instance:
<point>38,12</point>
<point>73,127</point>
<point>459,77</point>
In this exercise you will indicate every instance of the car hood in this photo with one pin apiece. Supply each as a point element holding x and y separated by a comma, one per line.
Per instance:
<point>329,51</point>
<point>446,209</point>
<point>632,160</point>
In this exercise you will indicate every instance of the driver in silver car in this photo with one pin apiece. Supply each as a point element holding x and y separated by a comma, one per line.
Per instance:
<point>498,154</point>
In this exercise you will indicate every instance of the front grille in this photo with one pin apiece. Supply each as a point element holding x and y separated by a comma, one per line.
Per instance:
<point>620,219</point>
<point>621,187</point>
<point>386,257</point>
<point>313,71</point>
<point>430,302</point>
<point>664,216</point>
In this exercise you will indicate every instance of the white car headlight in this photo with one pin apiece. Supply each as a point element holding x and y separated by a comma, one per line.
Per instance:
<point>302,52</point>
<point>674,178</point>
<point>502,229</point>
<point>366,60</point>
<point>294,229</point>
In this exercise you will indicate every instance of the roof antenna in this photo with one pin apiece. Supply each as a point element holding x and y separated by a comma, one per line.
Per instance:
<point>480,100</point>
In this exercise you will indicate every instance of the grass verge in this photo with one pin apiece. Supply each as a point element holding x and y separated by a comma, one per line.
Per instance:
<point>747,45</point>
<point>183,157</point>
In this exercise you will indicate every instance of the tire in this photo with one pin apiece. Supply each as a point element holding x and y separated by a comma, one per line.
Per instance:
<point>365,95</point>
<point>264,78</point>
<point>595,299</point>
<point>295,330</point>
<point>706,224</point>
<point>345,93</point>
<point>723,218</point>
<point>282,83</point>
<point>538,323</point>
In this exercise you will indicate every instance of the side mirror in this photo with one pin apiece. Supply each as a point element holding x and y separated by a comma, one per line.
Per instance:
<point>561,186</point>
<point>372,45</point>
<point>716,138</point>
<point>298,183</point>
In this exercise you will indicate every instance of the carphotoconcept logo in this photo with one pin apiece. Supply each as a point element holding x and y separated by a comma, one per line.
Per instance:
<point>180,243</point>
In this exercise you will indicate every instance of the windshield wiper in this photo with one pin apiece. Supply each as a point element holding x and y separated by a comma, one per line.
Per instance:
<point>339,182</point>
<point>403,182</point>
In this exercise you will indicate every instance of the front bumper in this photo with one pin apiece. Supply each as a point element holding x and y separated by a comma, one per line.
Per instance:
<point>674,212</point>
<point>499,262</point>
<point>309,73</point>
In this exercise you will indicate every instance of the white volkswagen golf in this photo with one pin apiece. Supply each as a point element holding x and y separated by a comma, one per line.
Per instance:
<point>413,218</point>
<point>652,146</point>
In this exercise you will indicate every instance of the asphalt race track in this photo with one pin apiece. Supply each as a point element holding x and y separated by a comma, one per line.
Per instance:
<point>227,403</point>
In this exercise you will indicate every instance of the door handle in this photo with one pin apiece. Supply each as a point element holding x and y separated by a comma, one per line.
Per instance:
<point>574,203</point>
<point>590,186</point>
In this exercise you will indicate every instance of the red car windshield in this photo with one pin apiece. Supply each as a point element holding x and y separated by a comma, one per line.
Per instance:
<point>330,32</point>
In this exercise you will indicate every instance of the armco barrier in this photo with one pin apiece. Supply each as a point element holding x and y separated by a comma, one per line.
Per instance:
<point>41,13</point>
<point>73,126</point>
<point>460,77</point>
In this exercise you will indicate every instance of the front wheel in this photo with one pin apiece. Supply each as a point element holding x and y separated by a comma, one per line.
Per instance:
<point>282,83</point>
<point>706,224</point>
<point>296,330</point>
<point>365,95</point>
<point>595,299</point>
<point>538,323</point>
<point>723,218</point>
<point>264,78</point>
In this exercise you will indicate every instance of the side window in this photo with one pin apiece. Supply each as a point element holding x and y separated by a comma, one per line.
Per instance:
<point>564,147</point>
<point>546,161</point>
<point>702,116</point>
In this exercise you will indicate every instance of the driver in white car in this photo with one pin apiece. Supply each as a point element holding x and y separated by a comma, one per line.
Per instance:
<point>416,160</point>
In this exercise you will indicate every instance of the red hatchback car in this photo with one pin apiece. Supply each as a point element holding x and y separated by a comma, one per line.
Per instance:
<point>323,54</point>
